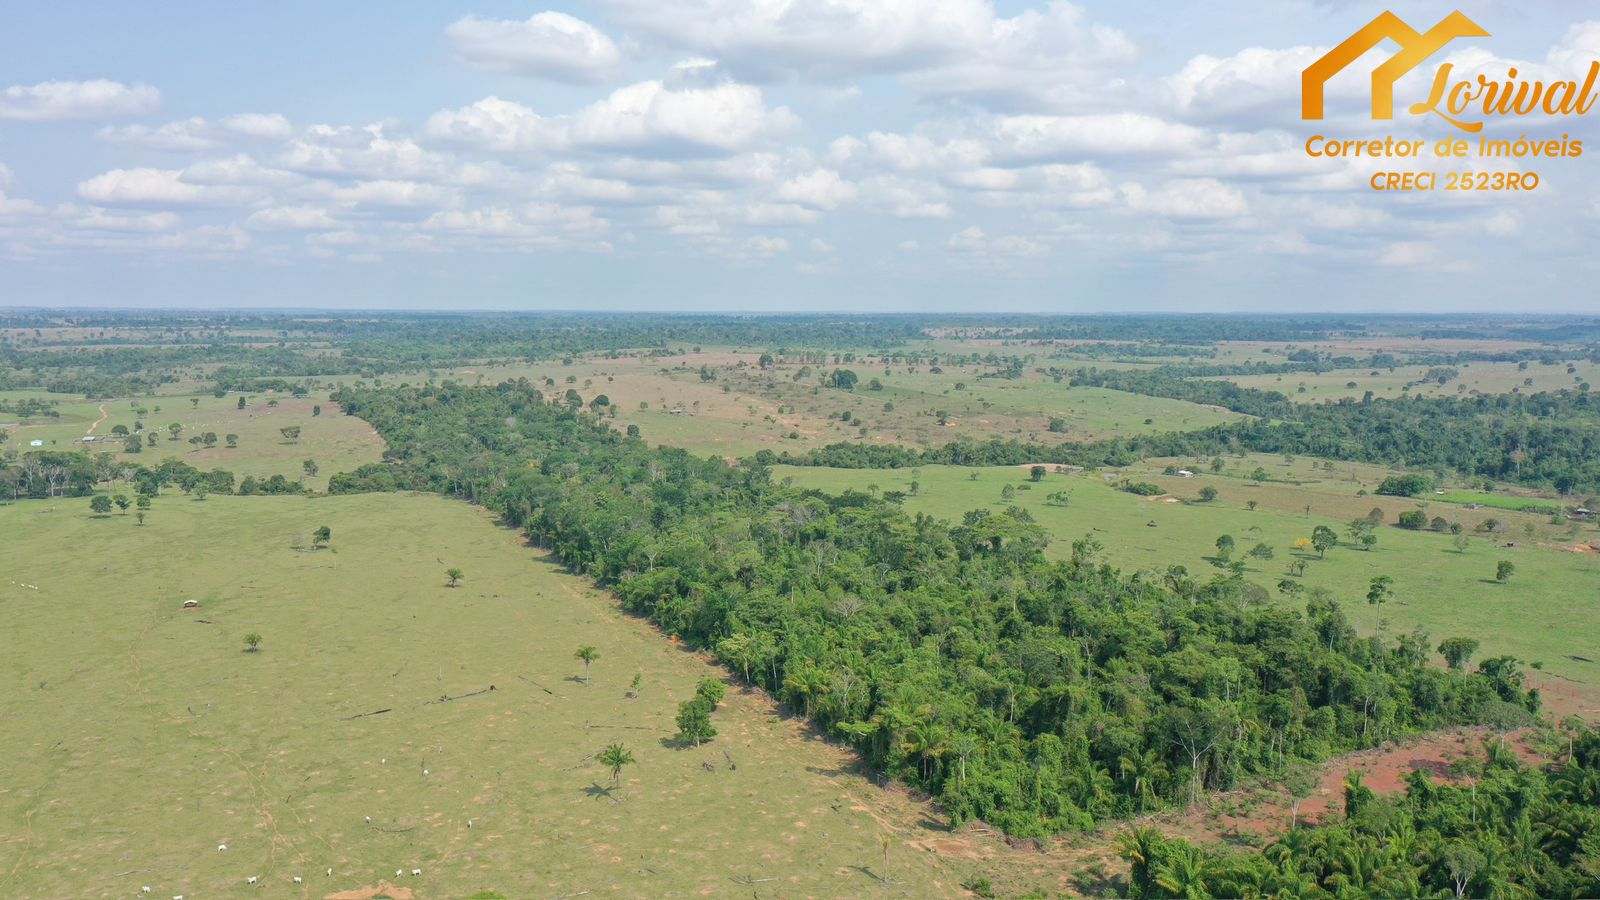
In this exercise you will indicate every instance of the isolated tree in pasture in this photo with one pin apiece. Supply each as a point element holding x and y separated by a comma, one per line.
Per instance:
<point>100,505</point>
<point>201,491</point>
<point>321,536</point>
<point>1380,590</point>
<point>1262,551</point>
<point>252,641</point>
<point>588,654</point>
<point>150,439</point>
<point>310,467</point>
<point>194,402</point>
<point>1462,542</point>
<point>290,433</point>
<point>1503,570</point>
<point>1209,493</point>
<point>614,757</point>
<point>1037,473</point>
<point>142,501</point>
<point>712,691</point>
<point>694,721</point>
<point>1324,539</point>
<point>232,441</point>
<point>1457,651</point>
<point>174,430</point>
<point>122,502</point>
<point>1225,545</point>
<point>316,411</point>
<point>1259,475</point>
<point>454,575</point>
<point>241,402</point>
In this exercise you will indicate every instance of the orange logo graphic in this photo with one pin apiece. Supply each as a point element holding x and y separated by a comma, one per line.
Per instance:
<point>1414,48</point>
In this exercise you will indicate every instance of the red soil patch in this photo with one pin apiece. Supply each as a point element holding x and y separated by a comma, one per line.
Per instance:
<point>383,889</point>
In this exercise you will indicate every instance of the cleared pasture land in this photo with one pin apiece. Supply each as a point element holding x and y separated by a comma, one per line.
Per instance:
<point>1481,377</point>
<point>336,442</point>
<point>743,408</point>
<point>1545,613</point>
<point>141,737</point>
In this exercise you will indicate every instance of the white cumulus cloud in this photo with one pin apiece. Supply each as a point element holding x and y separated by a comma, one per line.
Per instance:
<point>58,100</point>
<point>551,44</point>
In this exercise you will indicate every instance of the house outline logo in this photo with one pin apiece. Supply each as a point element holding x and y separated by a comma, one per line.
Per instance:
<point>1415,47</point>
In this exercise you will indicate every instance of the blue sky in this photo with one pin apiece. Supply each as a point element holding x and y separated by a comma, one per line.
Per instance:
<point>860,155</point>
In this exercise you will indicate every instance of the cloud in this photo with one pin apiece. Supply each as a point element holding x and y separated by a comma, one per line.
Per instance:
<point>163,187</point>
<point>195,134</point>
<point>819,188</point>
<point>764,246</point>
<point>391,193</point>
<point>1188,198</point>
<point>1039,137</point>
<point>290,218</point>
<point>368,152</point>
<point>647,117</point>
<point>153,186</point>
<point>1407,254</point>
<point>263,126</point>
<point>946,48</point>
<point>187,135</point>
<point>51,101</point>
<point>550,44</point>
<point>1253,81</point>
<point>906,198</point>
<point>974,240</point>
<point>97,219</point>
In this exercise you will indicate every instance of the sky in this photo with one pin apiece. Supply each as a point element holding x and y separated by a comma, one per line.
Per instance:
<point>763,155</point>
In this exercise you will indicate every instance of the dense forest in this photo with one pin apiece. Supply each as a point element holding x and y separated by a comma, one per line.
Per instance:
<point>1501,830</point>
<point>1039,696</point>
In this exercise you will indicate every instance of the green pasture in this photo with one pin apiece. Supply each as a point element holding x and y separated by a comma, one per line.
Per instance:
<point>334,441</point>
<point>362,735</point>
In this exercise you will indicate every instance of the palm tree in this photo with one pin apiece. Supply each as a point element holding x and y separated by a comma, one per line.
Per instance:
<point>1140,846</point>
<point>614,757</point>
<point>588,654</point>
<point>1141,772</point>
<point>454,575</point>
<point>929,741</point>
<point>1182,871</point>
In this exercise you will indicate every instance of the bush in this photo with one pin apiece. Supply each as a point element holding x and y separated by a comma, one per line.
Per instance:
<point>1142,488</point>
<point>711,691</point>
<point>1413,520</point>
<point>1404,485</point>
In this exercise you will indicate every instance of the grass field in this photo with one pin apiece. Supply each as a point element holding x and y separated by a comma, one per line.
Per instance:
<point>140,736</point>
<point>336,442</point>
<point>1482,377</point>
<point>1544,613</point>
<point>744,409</point>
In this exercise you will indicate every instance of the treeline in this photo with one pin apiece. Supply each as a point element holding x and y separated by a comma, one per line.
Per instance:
<point>1541,440</point>
<point>1497,829</point>
<point>1040,696</point>
<point>46,474</point>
